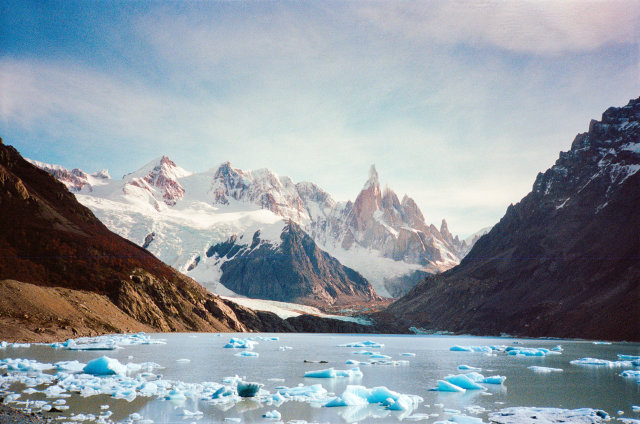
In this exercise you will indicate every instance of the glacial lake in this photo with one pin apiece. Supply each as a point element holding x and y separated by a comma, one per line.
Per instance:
<point>189,360</point>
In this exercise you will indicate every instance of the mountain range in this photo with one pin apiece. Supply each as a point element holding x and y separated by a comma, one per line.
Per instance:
<point>64,274</point>
<point>233,230</point>
<point>563,262</point>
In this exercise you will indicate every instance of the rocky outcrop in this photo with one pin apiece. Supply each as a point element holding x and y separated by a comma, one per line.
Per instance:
<point>261,187</point>
<point>296,270</point>
<point>161,177</point>
<point>563,262</point>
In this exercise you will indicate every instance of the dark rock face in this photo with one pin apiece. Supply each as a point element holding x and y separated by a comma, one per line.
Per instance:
<point>295,271</point>
<point>564,262</point>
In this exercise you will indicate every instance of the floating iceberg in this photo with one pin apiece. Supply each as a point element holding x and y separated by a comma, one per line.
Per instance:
<point>408,354</point>
<point>530,351</point>
<point>465,419</point>
<point>544,370</point>
<point>360,395</point>
<point>461,380</point>
<point>71,366</point>
<point>105,366</point>
<point>628,357</point>
<point>236,343</point>
<point>445,386</point>
<point>107,342</point>
<point>481,349</point>
<point>272,415</point>
<point>333,373</point>
<point>494,379</point>
<point>468,368</point>
<point>313,393</point>
<point>248,389</point>
<point>366,343</point>
<point>222,392</point>
<point>248,353</point>
<point>631,374</point>
<point>601,362</point>
<point>25,365</point>
<point>518,415</point>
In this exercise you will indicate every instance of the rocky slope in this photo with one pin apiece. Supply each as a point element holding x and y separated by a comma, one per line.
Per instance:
<point>562,262</point>
<point>62,269</point>
<point>296,271</point>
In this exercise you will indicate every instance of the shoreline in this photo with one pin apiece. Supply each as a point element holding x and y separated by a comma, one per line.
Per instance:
<point>11,415</point>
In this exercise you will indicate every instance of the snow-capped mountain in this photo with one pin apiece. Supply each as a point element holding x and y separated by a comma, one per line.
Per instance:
<point>562,262</point>
<point>179,215</point>
<point>377,224</point>
<point>75,179</point>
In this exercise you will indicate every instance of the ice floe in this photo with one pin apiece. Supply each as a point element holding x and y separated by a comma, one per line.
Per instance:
<point>601,363</point>
<point>531,351</point>
<point>107,342</point>
<point>237,343</point>
<point>521,415</point>
<point>272,415</point>
<point>445,386</point>
<point>360,395</point>
<point>468,368</point>
<point>248,389</point>
<point>465,419</point>
<point>544,370</point>
<point>482,349</point>
<point>248,354</point>
<point>470,381</point>
<point>635,374</point>
<point>366,343</point>
<point>463,381</point>
<point>333,373</point>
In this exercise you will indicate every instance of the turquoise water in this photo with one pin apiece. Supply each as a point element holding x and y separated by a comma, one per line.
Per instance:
<point>598,387</point>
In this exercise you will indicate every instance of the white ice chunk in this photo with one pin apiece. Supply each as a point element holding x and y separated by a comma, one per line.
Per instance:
<point>333,373</point>
<point>468,368</point>
<point>71,366</point>
<point>187,413</point>
<point>248,354</point>
<point>465,419</point>
<point>360,395</point>
<point>462,380</point>
<point>237,343</point>
<point>494,379</point>
<point>366,343</point>
<point>445,386</point>
<point>544,370</point>
<point>519,415</point>
<point>601,362</point>
<point>272,415</point>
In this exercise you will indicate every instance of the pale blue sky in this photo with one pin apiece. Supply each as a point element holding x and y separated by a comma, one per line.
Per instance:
<point>459,104</point>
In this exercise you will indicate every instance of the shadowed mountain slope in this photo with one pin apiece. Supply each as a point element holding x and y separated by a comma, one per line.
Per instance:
<point>563,262</point>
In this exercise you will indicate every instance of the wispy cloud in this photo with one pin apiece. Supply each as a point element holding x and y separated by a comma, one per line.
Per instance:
<point>536,27</point>
<point>459,105</point>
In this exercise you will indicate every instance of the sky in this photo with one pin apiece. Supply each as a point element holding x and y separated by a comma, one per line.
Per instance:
<point>459,104</point>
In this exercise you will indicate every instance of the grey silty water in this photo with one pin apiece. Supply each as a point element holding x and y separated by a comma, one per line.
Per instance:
<point>574,387</point>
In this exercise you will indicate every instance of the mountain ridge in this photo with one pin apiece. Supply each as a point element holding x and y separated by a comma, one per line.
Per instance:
<point>563,262</point>
<point>145,206</point>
